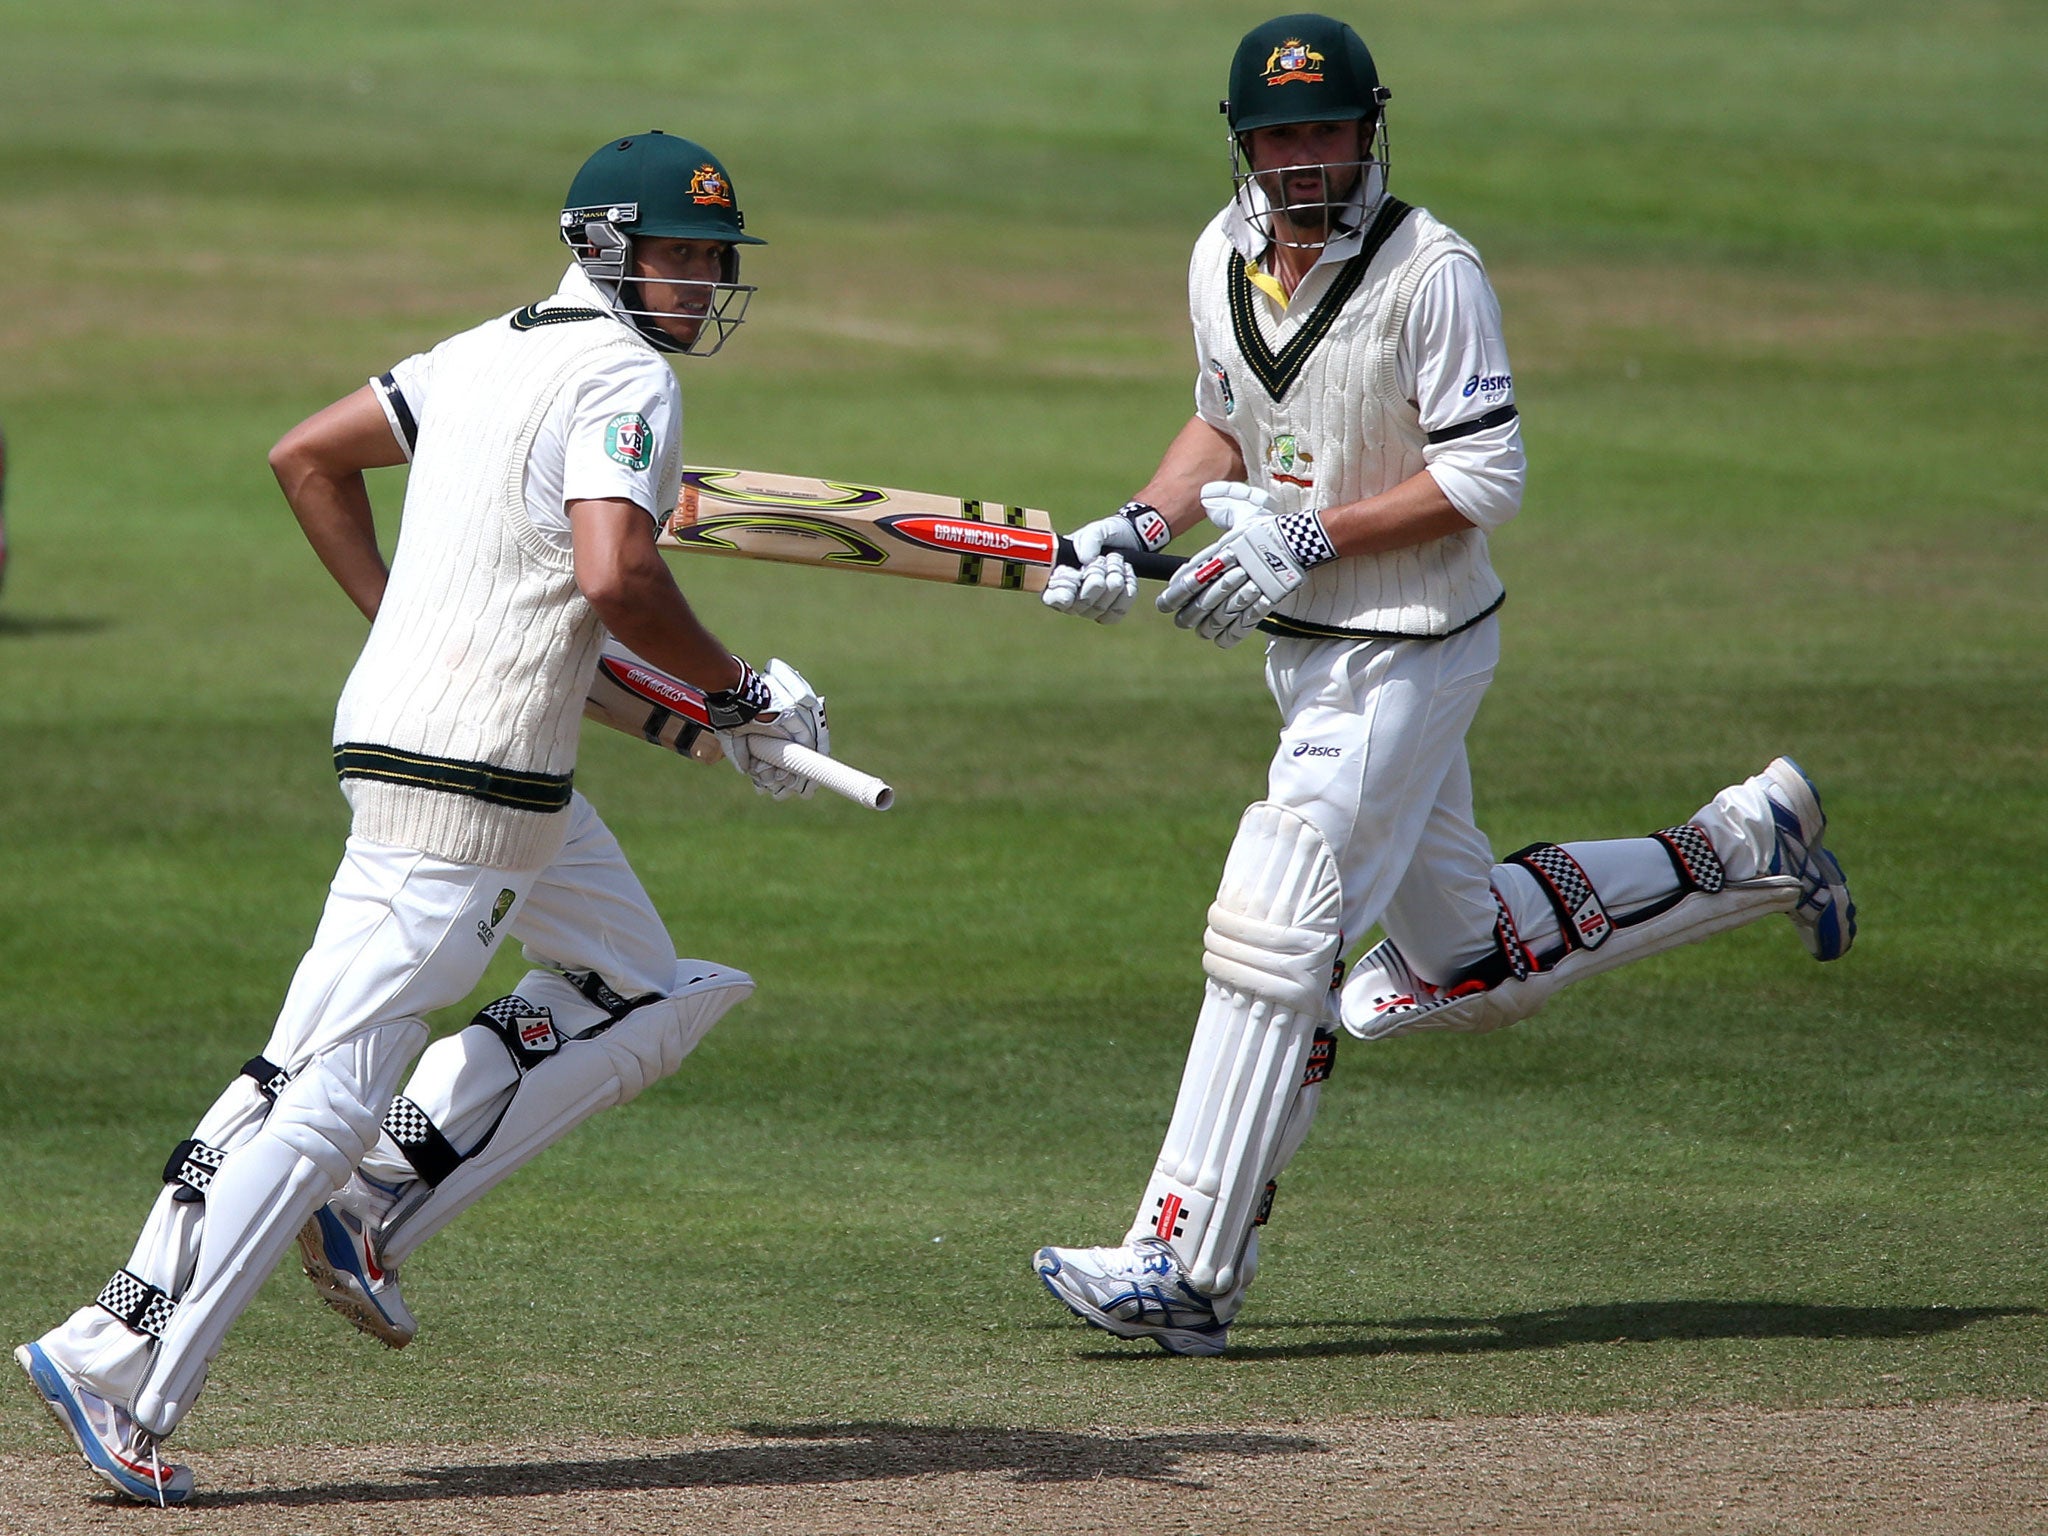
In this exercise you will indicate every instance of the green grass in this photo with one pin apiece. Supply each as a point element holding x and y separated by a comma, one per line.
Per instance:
<point>1772,277</point>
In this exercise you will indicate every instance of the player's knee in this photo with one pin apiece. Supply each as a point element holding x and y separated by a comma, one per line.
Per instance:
<point>327,1116</point>
<point>1273,928</point>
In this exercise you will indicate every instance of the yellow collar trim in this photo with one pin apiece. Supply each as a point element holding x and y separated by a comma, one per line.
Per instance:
<point>1266,283</point>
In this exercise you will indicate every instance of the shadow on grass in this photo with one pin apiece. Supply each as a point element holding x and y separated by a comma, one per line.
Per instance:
<point>815,1454</point>
<point>52,624</point>
<point>1620,1322</point>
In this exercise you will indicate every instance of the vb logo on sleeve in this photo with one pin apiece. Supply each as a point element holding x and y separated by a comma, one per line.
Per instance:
<point>628,439</point>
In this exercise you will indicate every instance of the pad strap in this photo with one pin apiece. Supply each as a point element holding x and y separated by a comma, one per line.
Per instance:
<point>270,1078</point>
<point>1322,1058</point>
<point>527,1029</point>
<point>193,1164</point>
<point>615,1004</point>
<point>432,1155</point>
<point>1581,918</point>
<point>140,1306</point>
<point>1693,856</point>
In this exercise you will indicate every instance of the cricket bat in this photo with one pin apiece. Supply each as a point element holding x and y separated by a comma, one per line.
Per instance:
<point>857,527</point>
<point>633,697</point>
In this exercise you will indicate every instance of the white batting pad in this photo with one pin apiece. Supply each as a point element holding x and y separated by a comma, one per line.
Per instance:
<point>581,1078</point>
<point>1383,997</point>
<point>1271,942</point>
<point>322,1122</point>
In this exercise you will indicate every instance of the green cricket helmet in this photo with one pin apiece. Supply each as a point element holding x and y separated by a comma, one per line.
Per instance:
<point>665,187</point>
<point>1305,68</point>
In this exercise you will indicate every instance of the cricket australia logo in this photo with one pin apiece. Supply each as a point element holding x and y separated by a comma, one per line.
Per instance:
<point>1294,60</point>
<point>628,439</point>
<point>487,932</point>
<point>708,186</point>
<point>1289,463</point>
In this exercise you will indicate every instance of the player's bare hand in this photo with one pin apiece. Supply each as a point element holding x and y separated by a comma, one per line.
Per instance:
<point>1103,585</point>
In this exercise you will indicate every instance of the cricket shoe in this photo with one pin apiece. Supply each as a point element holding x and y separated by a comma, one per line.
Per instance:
<point>120,1451</point>
<point>336,1252</point>
<point>1136,1292</point>
<point>1824,915</point>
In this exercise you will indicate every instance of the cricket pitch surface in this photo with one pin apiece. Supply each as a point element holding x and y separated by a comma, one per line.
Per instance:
<point>1959,1469</point>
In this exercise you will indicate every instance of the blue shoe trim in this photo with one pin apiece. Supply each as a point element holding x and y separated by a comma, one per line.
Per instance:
<point>340,1248</point>
<point>55,1390</point>
<point>334,1240</point>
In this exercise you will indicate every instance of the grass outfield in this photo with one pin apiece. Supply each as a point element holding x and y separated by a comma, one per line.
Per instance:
<point>1773,279</point>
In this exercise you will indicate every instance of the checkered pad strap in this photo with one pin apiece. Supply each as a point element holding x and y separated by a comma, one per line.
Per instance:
<point>431,1154</point>
<point>1514,954</point>
<point>528,1030</point>
<point>1322,1058</point>
<point>193,1164</point>
<point>1693,856</point>
<point>1306,541</point>
<point>1584,921</point>
<point>270,1078</point>
<point>138,1304</point>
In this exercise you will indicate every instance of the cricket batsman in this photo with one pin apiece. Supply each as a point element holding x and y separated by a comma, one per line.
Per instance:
<point>1355,438</point>
<point>545,450</point>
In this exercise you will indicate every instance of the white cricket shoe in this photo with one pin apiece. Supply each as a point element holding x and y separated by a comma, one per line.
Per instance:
<point>120,1451</point>
<point>1138,1292</point>
<point>339,1258</point>
<point>1825,915</point>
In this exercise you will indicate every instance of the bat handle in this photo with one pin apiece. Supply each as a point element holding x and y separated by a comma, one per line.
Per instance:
<point>1151,567</point>
<point>836,776</point>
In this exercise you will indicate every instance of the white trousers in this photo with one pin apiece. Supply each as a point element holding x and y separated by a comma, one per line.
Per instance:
<point>1372,755</point>
<point>403,934</point>
<point>1372,751</point>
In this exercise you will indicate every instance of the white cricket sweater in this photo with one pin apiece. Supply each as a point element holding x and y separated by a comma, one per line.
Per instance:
<point>1315,397</point>
<point>457,731</point>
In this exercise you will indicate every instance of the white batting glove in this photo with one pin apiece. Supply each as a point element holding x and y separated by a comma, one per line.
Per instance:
<point>1103,586</point>
<point>793,711</point>
<point>1224,591</point>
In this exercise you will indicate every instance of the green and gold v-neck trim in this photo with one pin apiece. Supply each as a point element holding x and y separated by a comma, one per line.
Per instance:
<point>1278,371</point>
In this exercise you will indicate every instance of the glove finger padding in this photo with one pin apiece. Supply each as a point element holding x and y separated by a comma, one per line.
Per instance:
<point>1102,585</point>
<point>1101,589</point>
<point>1225,591</point>
<point>1232,503</point>
<point>795,713</point>
<point>1108,587</point>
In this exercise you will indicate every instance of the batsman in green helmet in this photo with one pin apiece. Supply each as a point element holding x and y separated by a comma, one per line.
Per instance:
<point>1354,440</point>
<point>545,446</point>
<point>656,226</point>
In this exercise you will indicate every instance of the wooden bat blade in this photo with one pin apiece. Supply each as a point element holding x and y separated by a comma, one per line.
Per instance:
<point>927,537</point>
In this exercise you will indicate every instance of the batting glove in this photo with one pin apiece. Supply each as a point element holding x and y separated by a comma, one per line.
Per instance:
<point>793,711</point>
<point>1223,592</point>
<point>1103,586</point>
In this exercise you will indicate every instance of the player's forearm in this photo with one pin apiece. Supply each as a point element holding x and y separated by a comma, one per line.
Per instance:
<point>319,466</point>
<point>334,513</point>
<point>647,613</point>
<point>1414,512</point>
<point>1198,454</point>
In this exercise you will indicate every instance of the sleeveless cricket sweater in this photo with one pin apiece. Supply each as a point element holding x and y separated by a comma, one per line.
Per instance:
<point>1313,397</point>
<point>457,731</point>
